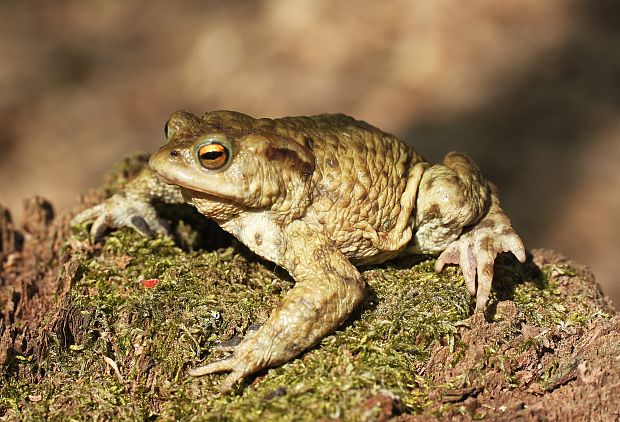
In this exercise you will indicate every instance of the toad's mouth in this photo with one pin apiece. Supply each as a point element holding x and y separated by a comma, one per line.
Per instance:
<point>209,187</point>
<point>163,177</point>
<point>190,192</point>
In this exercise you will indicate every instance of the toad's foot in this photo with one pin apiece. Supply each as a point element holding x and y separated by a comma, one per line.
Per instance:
<point>132,207</point>
<point>248,357</point>
<point>120,211</point>
<point>475,252</point>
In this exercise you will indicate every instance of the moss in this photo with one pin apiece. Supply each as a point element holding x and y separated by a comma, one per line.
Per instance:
<point>153,334</point>
<point>144,310</point>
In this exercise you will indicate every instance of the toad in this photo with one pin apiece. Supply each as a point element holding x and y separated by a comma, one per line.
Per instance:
<point>318,196</point>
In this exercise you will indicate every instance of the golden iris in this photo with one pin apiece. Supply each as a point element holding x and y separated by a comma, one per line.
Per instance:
<point>213,156</point>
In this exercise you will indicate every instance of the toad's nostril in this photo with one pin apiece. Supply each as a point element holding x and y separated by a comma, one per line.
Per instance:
<point>175,154</point>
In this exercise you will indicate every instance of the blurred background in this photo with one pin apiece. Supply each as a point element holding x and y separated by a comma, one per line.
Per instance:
<point>530,89</point>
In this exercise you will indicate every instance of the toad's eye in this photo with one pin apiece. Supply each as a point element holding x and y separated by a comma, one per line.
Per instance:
<point>213,156</point>
<point>166,129</point>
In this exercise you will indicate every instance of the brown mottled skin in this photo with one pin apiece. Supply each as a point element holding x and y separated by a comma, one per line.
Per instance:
<point>316,195</point>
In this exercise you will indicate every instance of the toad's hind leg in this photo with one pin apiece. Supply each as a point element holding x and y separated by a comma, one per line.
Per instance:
<point>458,214</point>
<point>328,288</point>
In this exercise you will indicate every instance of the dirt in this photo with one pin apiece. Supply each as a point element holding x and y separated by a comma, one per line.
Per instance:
<point>550,355</point>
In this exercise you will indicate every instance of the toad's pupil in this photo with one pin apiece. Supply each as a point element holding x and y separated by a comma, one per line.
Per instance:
<point>211,155</point>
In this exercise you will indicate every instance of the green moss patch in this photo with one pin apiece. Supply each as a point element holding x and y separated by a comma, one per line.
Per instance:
<point>139,312</point>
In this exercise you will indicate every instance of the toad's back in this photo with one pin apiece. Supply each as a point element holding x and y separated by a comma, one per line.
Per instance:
<point>361,176</point>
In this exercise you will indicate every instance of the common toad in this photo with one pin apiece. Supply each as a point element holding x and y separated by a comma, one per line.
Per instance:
<point>316,195</point>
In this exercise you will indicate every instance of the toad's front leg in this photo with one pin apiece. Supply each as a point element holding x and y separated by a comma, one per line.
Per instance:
<point>132,207</point>
<point>328,288</point>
